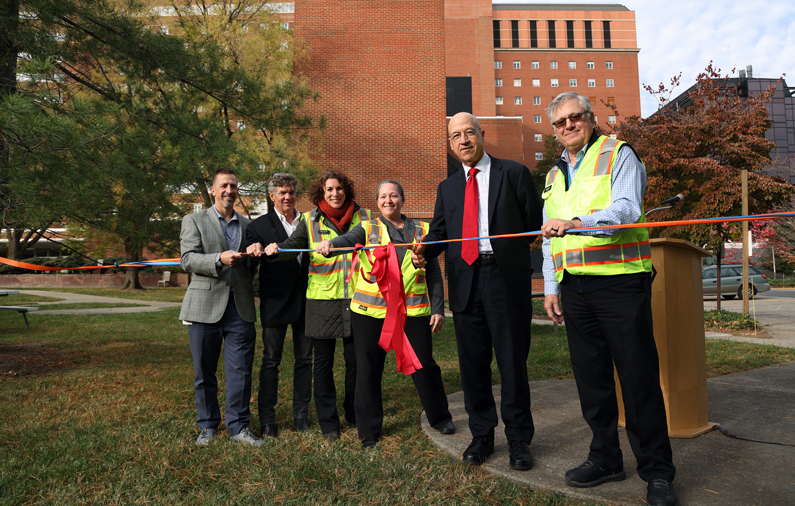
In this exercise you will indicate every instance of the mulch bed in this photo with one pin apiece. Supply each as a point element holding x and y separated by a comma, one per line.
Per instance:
<point>17,360</point>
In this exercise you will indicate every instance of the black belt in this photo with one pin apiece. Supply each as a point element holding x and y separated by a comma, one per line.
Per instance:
<point>486,259</point>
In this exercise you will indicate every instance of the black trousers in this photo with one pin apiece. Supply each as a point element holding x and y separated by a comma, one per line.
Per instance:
<point>370,359</point>
<point>492,319</point>
<point>325,390</point>
<point>273,341</point>
<point>614,325</point>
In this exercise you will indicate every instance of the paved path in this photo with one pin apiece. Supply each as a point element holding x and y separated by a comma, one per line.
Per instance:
<point>74,298</point>
<point>775,310</point>
<point>712,469</point>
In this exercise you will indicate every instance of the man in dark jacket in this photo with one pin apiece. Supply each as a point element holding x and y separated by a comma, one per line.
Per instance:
<point>282,291</point>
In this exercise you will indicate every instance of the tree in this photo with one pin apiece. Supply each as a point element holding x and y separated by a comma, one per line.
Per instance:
<point>699,150</point>
<point>165,110</point>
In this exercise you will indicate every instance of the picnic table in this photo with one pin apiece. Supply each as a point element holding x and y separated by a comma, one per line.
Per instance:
<point>19,309</point>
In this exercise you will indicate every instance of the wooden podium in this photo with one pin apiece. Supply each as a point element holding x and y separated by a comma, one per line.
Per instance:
<point>678,310</point>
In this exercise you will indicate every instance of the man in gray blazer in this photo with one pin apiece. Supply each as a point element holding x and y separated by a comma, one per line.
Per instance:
<point>219,307</point>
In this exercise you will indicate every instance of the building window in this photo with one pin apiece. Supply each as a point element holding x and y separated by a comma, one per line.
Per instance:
<point>554,83</point>
<point>588,35</point>
<point>514,33</point>
<point>609,83</point>
<point>551,28</point>
<point>517,64</point>
<point>570,33</point>
<point>497,64</point>
<point>536,82</point>
<point>197,208</point>
<point>539,138</point>
<point>572,83</point>
<point>536,100</point>
<point>537,118</point>
<point>611,119</point>
<point>589,65</point>
<point>534,65</point>
<point>496,29</point>
<point>611,100</point>
<point>517,82</point>
<point>164,30</point>
<point>606,30</point>
<point>608,65</point>
<point>517,100</point>
<point>499,100</point>
<point>533,34</point>
<point>592,83</point>
<point>498,82</point>
<point>539,155</point>
<point>572,64</point>
<point>553,64</point>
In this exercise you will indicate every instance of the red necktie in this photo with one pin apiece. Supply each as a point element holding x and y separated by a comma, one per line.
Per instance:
<point>469,249</point>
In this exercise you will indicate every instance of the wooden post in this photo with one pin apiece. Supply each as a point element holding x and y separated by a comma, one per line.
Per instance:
<point>745,242</point>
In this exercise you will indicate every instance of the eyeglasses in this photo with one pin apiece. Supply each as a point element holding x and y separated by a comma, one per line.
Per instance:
<point>574,118</point>
<point>469,132</point>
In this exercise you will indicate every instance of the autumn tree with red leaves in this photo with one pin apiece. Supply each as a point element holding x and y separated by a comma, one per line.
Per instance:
<point>699,150</point>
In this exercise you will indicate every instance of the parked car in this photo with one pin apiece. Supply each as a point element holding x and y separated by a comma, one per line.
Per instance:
<point>731,280</point>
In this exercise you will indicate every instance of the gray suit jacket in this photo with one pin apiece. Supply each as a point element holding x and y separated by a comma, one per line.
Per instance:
<point>205,301</point>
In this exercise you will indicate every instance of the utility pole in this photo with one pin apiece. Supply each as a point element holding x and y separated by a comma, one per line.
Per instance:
<point>745,242</point>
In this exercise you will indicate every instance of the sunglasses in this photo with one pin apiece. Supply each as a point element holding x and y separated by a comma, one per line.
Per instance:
<point>574,119</point>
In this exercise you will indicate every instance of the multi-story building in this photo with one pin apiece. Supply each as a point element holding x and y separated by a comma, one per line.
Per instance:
<point>542,50</point>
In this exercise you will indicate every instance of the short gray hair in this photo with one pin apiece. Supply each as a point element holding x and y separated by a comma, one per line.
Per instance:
<point>281,179</point>
<point>390,181</point>
<point>565,97</point>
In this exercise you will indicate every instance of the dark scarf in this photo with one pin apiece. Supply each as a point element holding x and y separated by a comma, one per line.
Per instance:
<point>341,217</point>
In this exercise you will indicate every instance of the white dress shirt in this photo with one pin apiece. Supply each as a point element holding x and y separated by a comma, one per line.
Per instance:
<point>290,227</point>
<point>482,177</point>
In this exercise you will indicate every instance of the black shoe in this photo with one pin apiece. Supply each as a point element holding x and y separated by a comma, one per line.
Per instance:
<point>520,455</point>
<point>660,493</point>
<point>477,451</point>
<point>351,422</point>
<point>331,436</point>
<point>591,475</point>
<point>448,428</point>
<point>270,430</point>
<point>301,425</point>
<point>369,443</point>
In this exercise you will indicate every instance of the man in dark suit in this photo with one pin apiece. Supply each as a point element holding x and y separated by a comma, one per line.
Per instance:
<point>489,285</point>
<point>219,307</point>
<point>282,292</point>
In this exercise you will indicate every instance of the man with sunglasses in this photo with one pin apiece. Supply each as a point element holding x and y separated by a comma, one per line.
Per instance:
<point>604,280</point>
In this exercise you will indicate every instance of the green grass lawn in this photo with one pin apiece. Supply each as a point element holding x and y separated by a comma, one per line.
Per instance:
<point>119,427</point>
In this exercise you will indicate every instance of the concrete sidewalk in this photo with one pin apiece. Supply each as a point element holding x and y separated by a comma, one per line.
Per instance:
<point>73,298</point>
<point>712,469</point>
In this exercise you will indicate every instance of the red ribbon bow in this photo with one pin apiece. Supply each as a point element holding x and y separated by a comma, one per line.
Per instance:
<point>390,283</point>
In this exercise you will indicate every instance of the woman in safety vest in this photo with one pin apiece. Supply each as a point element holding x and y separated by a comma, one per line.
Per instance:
<point>328,294</point>
<point>424,307</point>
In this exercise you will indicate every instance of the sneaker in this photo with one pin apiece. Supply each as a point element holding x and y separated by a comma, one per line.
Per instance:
<point>591,475</point>
<point>660,493</point>
<point>205,436</point>
<point>246,437</point>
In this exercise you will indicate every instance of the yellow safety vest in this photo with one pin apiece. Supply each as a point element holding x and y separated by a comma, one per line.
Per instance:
<point>367,299</point>
<point>623,253</point>
<point>327,275</point>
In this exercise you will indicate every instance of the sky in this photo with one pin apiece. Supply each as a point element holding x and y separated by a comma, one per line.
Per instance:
<point>684,35</point>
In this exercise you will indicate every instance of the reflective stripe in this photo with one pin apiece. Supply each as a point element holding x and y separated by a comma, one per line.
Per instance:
<point>420,279</point>
<point>369,300</point>
<point>416,301</point>
<point>603,163</point>
<point>373,232</point>
<point>557,260</point>
<point>551,176</point>
<point>600,255</point>
<point>315,228</point>
<point>328,268</point>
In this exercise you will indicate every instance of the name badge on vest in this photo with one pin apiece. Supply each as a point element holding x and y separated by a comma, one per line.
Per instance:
<point>363,308</point>
<point>323,232</point>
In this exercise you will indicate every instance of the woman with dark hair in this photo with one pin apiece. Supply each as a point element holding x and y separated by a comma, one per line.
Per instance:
<point>425,314</point>
<point>328,295</point>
